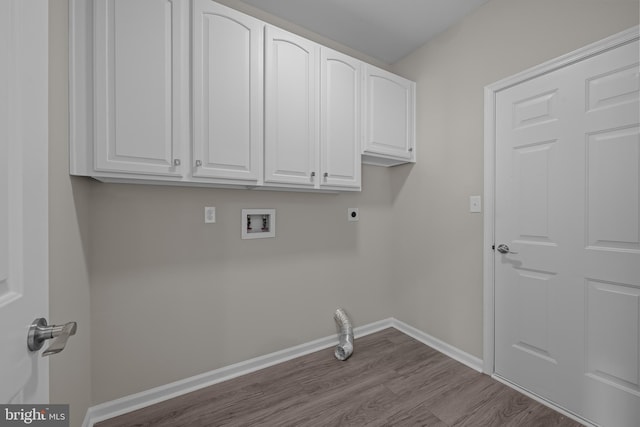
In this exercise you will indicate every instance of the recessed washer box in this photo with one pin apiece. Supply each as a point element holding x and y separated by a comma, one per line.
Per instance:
<point>258,223</point>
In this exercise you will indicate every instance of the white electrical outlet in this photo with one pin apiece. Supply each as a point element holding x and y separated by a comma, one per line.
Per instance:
<point>352,214</point>
<point>209,215</point>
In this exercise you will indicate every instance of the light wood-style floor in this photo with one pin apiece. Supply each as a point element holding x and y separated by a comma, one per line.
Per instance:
<point>390,380</point>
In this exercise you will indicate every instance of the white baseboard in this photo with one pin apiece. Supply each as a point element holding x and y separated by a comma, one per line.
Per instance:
<point>155,395</point>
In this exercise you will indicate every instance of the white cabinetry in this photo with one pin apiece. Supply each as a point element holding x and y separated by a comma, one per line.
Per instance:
<point>312,114</point>
<point>340,120</point>
<point>291,102</point>
<point>140,95</point>
<point>191,92</point>
<point>227,93</point>
<point>389,136</point>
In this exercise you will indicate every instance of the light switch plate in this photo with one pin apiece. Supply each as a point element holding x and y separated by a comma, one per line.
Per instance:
<point>475,204</point>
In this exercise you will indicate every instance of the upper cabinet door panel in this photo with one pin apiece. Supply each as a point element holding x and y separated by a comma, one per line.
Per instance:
<point>227,92</point>
<point>291,135</point>
<point>389,119</point>
<point>340,120</point>
<point>137,53</point>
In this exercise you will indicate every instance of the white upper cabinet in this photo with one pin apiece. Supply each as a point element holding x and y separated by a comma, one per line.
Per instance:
<point>227,93</point>
<point>389,121</point>
<point>192,92</point>
<point>312,114</point>
<point>291,102</point>
<point>140,90</point>
<point>340,120</point>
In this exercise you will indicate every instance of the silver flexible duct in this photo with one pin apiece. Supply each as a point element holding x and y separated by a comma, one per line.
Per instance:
<point>345,347</point>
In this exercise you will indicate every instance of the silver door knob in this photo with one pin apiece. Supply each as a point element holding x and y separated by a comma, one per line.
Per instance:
<point>39,332</point>
<point>504,249</point>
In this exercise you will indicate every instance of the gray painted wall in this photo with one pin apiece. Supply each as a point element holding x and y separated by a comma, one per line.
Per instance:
<point>438,243</point>
<point>70,372</point>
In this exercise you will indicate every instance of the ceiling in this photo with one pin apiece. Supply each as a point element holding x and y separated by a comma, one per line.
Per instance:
<point>387,30</point>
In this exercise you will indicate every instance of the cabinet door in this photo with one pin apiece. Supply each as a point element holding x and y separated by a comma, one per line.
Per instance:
<point>389,115</point>
<point>291,136</point>
<point>227,93</point>
<point>340,120</point>
<point>140,81</point>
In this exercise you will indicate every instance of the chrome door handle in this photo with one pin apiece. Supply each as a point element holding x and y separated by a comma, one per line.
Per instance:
<point>39,332</point>
<point>504,249</point>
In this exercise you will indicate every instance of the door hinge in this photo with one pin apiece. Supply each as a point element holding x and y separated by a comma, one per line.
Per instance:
<point>493,247</point>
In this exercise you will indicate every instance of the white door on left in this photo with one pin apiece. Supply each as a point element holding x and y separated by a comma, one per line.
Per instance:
<point>24,375</point>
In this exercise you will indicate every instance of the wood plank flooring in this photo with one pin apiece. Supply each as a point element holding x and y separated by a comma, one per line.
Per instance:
<point>390,380</point>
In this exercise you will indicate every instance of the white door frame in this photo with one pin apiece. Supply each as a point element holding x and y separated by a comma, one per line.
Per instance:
<point>490,92</point>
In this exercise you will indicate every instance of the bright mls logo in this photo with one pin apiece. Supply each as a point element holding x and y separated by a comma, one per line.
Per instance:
<point>34,415</point>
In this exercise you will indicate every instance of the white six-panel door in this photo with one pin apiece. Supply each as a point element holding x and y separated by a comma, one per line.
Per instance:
<point>567,203</point>
<point>24,272</point>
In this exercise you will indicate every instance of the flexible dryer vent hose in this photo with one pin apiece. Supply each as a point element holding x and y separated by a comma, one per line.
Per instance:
<point>345,347</point>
